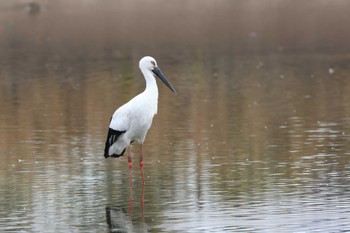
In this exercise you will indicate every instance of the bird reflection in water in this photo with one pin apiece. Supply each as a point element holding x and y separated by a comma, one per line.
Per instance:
<point>120,220</point>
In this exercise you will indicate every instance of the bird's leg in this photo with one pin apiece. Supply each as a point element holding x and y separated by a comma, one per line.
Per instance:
<point>141,163</point>
<point>141,156</point>
<point>142,202</point>
<point>131,201</point>
<point>129,158</point>
<point>130,167</point>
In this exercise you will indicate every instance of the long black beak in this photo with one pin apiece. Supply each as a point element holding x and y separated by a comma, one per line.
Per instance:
<point>161,76</point>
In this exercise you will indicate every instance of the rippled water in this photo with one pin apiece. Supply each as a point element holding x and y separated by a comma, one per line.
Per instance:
<point>257,144</point>
<point>252,142</point>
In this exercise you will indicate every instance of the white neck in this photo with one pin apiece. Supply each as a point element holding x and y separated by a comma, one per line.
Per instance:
<point>151,84</point>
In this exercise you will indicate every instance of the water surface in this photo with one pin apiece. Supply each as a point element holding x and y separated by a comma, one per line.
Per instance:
<point>253,141</point>
<point>255,144</point>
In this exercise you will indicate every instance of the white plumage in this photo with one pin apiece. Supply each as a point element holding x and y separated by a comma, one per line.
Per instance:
<point>132,120</point>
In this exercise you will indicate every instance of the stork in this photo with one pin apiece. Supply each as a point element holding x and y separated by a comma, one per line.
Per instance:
<point>132,120</point>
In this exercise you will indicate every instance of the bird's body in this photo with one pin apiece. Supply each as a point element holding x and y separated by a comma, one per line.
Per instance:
<point>132,120</point>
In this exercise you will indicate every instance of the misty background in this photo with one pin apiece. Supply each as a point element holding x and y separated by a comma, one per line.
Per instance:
<point>80,28</point>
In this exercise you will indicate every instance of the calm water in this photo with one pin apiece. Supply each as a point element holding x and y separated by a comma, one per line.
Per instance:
<point>253,141</point>
<point>257,144</point>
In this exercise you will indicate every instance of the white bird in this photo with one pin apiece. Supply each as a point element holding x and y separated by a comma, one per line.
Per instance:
<point>132,120</point>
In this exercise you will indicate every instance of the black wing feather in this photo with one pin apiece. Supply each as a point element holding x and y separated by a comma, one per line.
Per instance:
<point>112,137</point>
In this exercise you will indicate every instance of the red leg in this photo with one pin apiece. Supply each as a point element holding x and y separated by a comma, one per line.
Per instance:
<point>130,167</point>
<point>141,163</point>
<point>129,158</point>
<point>131,201</point>
<point>142,203</point>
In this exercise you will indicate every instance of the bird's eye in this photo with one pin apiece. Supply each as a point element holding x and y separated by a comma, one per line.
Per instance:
<point>153,63</point>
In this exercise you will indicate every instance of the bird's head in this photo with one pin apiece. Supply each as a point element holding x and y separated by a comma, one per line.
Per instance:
<point>149,63</point>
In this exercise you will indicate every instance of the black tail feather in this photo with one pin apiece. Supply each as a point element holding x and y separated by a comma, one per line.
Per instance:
<point>112,137</point>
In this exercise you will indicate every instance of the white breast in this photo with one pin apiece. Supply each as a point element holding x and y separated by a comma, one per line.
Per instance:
<point>135,117</point>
